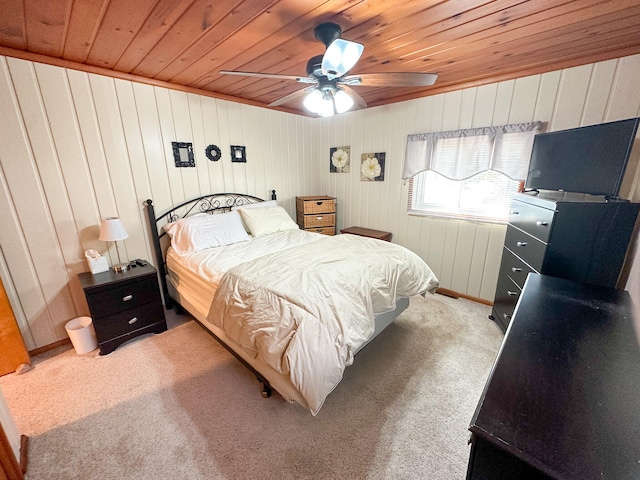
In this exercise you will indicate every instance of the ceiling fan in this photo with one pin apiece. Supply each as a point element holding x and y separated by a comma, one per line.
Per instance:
<point>330,89</point>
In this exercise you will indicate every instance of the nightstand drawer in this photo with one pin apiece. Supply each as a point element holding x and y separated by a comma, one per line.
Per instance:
<point>312,205</point>
<point>322,230</point>
<point>129,321</point>
<point>124,296</point>
<point>316,220</point>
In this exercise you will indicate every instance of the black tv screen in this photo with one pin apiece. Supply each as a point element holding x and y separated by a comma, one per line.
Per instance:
<point>589,159</point>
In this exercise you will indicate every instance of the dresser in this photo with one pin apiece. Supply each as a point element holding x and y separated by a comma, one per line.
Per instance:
<point>123,305</point>
<point>562,400</point>
<point>316,214</point>
<point>566,235</point>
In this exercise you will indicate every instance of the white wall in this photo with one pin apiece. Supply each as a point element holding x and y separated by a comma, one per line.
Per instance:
<point>78,147</point>
<point>464,255</point>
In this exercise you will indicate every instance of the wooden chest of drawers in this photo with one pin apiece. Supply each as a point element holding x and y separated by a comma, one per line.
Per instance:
<point>123,305</point>
<point>317,214</point>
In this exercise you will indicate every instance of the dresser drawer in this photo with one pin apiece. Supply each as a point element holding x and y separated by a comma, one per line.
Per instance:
<point>532,219</point>
<point>322,230</point>
<point>316,220</point>
<point>318,204</point>
<point>514,268</point>
<point>507,295</point>
<point>123,296</point>
<point>528,248</point>
<point>128,321</point>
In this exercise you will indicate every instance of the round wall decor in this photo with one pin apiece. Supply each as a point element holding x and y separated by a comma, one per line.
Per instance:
<point>213,153</point>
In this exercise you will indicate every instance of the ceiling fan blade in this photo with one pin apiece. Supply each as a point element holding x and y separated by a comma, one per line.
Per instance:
<point>298,95</point>
<point>393,79</point>
<point>340,57</point>
<point>277,76</point>
<point>358,101</point>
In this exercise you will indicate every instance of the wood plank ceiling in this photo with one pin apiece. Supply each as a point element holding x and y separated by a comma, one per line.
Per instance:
<point>185,43</point>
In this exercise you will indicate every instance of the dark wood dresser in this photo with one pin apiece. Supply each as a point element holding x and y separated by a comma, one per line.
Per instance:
<point>123,305</point>
<point>563,398</point>
<point>566,235</point>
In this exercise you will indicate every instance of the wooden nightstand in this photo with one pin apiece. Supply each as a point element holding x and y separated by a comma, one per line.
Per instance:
<point>317,214</point>
<point>123,305</point>
<point>367,232</point>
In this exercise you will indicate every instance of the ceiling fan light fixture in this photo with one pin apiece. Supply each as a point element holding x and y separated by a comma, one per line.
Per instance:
<point>343,101</point>
<point>313,101</point>
<point>340,57</point>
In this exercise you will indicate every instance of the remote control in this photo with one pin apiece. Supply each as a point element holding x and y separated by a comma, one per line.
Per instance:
<point>141,262</point>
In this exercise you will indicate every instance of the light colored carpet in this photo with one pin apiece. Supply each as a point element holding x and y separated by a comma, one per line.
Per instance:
<point>178,406</point>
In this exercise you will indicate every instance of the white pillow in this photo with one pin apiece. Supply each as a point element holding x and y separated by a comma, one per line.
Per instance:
<point>263,221</point>
<point>267,203</point>
<point>199,232</point>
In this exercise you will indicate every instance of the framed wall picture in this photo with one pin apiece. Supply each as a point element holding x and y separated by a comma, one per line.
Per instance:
<point>183,154</point>
<point>372,167</point>
<point>340,159</point>
<point>238,153</point>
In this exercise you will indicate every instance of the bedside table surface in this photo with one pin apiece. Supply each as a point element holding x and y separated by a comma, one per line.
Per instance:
<point>368,232</point>
<point>90,280</point>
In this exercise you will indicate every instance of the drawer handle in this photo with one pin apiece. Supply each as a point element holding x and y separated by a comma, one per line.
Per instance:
<point>516,269</point>
<point>514,212</point>
<point>540,223</point>
<point>521,244</point>
<point>319,217</point>
<point>127,298</point>
<point>512,294</point>
<point>319,203</point>
<point>133,320</point>
<point>506,316</point>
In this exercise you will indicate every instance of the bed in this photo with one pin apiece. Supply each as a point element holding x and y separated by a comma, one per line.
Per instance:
<point>294,307</point>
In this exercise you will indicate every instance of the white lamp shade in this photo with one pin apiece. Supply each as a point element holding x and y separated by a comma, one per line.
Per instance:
<point>343,101</point>
<point>112,230</point>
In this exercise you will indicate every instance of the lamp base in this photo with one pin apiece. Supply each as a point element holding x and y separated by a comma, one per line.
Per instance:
<point>123,267</point>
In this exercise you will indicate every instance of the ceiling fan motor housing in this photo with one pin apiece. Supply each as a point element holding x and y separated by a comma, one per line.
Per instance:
<point>327,32</point>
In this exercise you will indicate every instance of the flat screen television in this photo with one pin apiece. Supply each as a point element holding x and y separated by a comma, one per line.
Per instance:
<point>588,159</point>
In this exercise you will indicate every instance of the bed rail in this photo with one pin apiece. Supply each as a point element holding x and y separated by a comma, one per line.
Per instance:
<point>212,203</point>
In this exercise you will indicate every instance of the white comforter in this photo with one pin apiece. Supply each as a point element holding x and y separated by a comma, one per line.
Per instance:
<point>305,310</point>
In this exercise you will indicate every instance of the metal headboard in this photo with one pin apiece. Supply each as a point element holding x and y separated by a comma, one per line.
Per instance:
<point>215,202</point>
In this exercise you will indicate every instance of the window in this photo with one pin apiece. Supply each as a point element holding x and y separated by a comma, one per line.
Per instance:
<point>470,173</point>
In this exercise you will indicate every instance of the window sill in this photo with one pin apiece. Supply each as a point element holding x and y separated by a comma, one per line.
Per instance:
<point>453,216</point>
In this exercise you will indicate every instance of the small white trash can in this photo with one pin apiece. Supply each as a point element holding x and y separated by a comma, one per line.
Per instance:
<point>82,334</point>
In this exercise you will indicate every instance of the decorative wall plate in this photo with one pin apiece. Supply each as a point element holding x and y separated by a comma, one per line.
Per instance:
<point>213,153</point>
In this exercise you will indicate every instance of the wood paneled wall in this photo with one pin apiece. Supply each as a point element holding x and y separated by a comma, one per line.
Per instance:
<point>464,255</point>
<point>78,147</point>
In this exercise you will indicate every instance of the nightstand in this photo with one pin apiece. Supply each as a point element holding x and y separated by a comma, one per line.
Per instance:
<point>316,214</point>
<point>123,305</point>
<point>368,232</point>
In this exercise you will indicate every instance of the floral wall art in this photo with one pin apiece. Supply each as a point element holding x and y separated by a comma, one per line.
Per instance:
<point>372,167</point>
<point>339,159</point>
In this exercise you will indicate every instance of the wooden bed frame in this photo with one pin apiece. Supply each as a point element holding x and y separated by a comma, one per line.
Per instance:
<point>224,202</point>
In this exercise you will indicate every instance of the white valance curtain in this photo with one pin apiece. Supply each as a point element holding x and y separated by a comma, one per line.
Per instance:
<point>460,154</point>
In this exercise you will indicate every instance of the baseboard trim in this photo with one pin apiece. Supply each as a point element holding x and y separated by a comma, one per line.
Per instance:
<point>450,293</point>
<point>24,455</point>
<point>51,346</point>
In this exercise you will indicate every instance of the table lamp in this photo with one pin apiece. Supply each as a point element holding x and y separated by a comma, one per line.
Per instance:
<point>112,230</point>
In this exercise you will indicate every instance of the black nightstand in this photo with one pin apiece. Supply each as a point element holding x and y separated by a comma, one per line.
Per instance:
<point>123,305</point>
